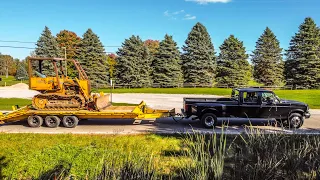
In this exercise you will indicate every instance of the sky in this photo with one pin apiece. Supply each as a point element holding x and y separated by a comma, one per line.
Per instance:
<point>115,20</point>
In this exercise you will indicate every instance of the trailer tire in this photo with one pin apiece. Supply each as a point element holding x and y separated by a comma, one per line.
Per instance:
<point>52,121</point>
<point>209,120</point>
<point>35,121</point>
<point>70,121</point>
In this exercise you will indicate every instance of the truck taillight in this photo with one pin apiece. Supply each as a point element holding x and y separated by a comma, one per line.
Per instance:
<point>186,107</point>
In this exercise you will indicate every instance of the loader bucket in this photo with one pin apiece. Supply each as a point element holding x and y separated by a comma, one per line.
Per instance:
<point>103,101</point>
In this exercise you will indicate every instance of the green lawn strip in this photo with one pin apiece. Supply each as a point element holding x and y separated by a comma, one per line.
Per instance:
<point>11,81</point>
<point>7,103</point>
<point>311,97</point>
<point>29,155</point>
<point>212,91</point>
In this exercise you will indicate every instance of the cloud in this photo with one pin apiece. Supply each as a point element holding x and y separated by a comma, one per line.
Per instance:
<point>178,15</point>
<point>167,13</point>
<point>189,17</point>
<point>178,12</point>
<point>209,1</point>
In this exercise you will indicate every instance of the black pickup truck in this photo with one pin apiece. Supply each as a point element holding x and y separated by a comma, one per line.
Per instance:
<point>248,103</point>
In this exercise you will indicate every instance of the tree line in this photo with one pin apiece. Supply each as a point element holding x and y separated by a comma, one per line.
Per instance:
<point>143,63</point>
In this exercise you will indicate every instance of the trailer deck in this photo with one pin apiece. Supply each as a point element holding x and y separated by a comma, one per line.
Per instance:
<point>140,112</point>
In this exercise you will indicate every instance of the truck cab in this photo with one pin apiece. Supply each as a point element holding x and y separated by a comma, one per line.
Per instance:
<point>247,103</point>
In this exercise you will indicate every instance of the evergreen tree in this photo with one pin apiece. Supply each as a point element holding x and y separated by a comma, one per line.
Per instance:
<point>133,63</point>
<point>198,58</point>
<point>267,60</point>
<point>21,71</point>
<point>302,67</point>
<point>47,46</point>
<point>233,68</point>
<point>92,57</point>
<point>166,64</point>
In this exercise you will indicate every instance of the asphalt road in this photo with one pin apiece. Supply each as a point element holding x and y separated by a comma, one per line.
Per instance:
<point>162,126</point>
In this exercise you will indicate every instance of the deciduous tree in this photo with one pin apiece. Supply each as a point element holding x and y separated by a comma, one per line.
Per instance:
<point>70,41</point>
<point>111,61</point>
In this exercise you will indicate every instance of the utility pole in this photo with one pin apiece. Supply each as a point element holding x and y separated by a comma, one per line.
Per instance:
<point>7,68</point>
<point>65,57</point>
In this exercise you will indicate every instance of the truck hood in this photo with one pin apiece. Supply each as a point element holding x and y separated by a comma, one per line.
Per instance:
<point>293,102</point>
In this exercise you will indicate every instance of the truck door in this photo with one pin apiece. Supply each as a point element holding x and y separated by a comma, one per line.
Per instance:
<point>268,108</point>
<point>250,105</point>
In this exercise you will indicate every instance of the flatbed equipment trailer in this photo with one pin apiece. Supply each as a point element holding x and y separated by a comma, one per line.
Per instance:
<point>70,118</point>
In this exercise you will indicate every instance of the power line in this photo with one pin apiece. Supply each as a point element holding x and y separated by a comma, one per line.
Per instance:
<point>17,47</point>
<point>29,42</point>
<point>24,42</point>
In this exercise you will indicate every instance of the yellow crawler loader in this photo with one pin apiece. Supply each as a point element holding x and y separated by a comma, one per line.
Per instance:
<point>58,90</point>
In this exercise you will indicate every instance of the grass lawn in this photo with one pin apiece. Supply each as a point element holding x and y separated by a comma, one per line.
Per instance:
<point>32,155</point>
<point>11,81</point>
<point>277,156</point>
<point>311,97</point>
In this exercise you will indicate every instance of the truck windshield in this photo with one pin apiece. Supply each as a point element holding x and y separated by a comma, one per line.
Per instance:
<point>235,94</point>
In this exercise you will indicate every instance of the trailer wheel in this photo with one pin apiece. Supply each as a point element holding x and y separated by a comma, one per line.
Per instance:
<point>52,121</point>
<point>35,121</point>
<point>70,121</point>
<point>209,120</point>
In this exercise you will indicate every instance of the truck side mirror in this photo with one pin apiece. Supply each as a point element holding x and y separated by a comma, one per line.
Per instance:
<point>271,101</point>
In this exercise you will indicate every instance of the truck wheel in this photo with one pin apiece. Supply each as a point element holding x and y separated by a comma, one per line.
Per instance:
<point>295,120</point>
<point>209,120</point>
<point>52,121</point>
<point>70,121</point>
<point>35,121</point>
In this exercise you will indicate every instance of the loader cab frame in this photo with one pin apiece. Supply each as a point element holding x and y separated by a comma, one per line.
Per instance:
<point>53,82</point>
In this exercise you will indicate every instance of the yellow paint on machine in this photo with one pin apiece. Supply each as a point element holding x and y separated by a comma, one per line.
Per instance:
<point>141,112</point>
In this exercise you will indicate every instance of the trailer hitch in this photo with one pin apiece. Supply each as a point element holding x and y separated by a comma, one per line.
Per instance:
<point>178,117</point>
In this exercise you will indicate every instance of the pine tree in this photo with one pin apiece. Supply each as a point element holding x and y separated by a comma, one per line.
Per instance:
<point>267,60</point>
<point>133,66</point>
<point>166,64</point>
<point>302,67</point>
<point>47,46</point>
<point>233,68</point>
<point>21,71</point>
<point>92,57</point>
<point>198,58</point>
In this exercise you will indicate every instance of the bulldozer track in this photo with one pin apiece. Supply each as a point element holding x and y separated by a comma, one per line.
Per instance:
<point>46,98</point>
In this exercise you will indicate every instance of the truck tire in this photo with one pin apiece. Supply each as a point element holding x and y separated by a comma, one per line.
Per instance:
<point>70,121</point>
<point>52,121</point>
<point>295,120</point>
<point>209,120</point>
<point>35,121</point>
